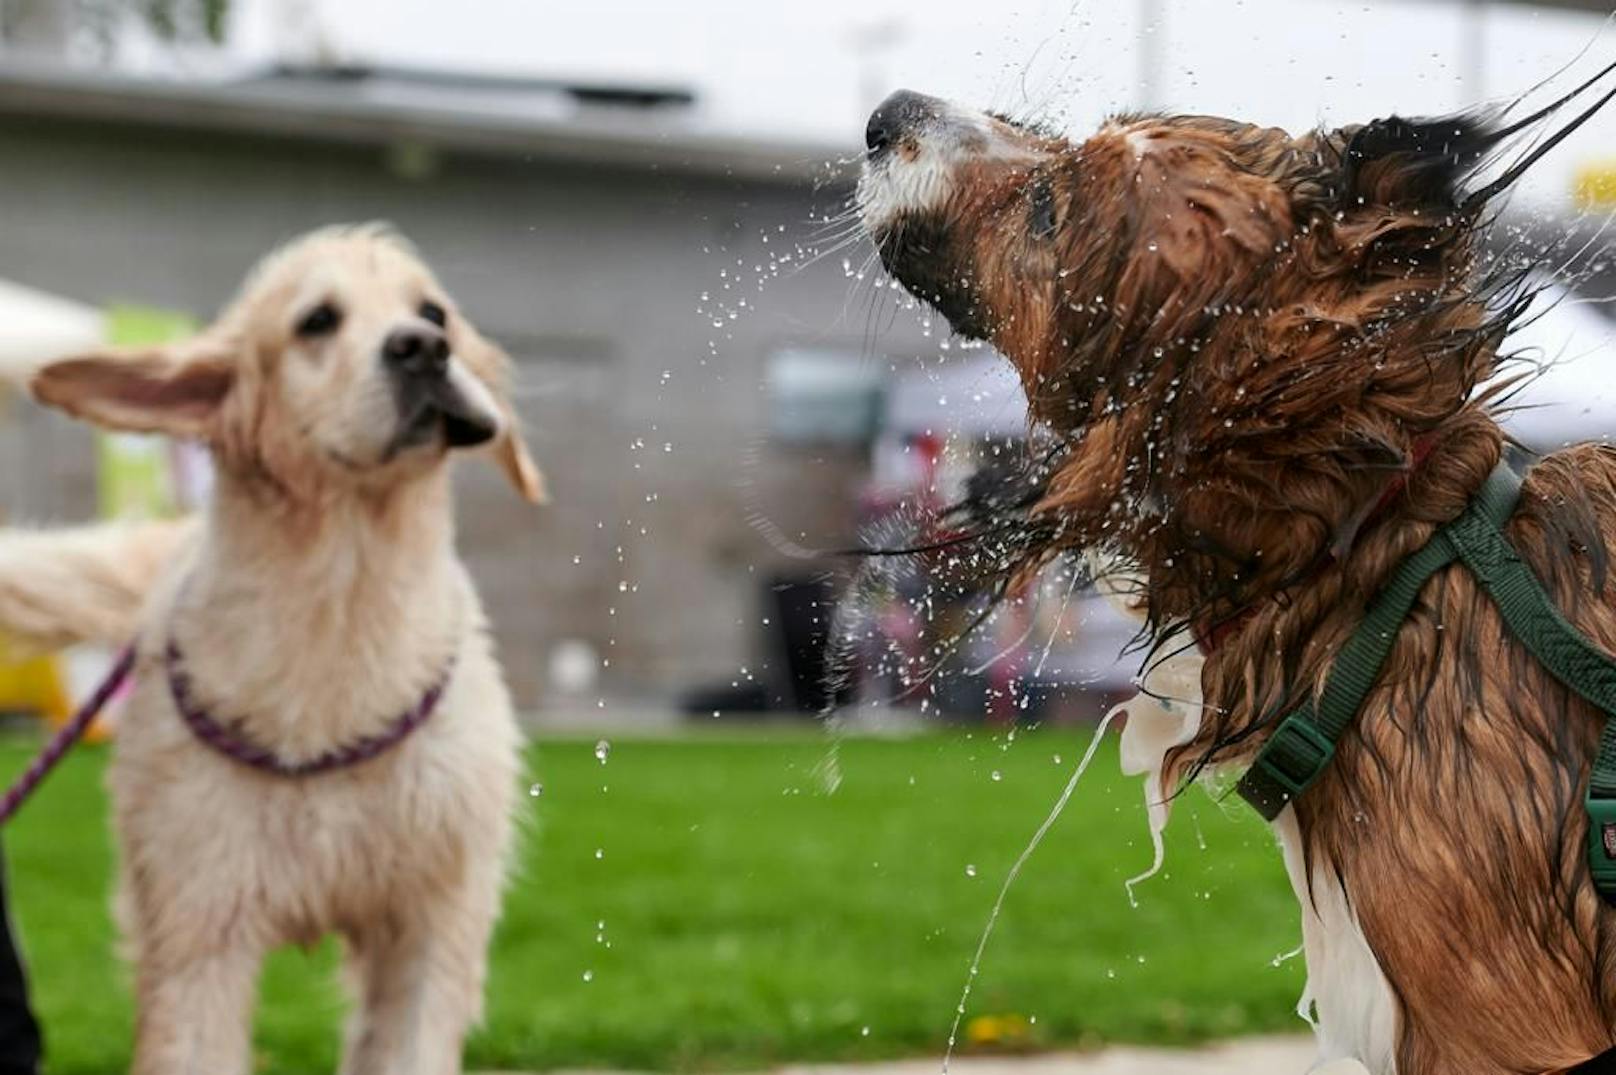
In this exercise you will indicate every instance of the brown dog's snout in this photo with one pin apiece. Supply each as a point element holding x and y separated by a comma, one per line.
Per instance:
<point>417,350</point>
<point>897,117</point>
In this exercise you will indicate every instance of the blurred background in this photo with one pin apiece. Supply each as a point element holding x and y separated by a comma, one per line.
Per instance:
<point>633,199</point>
<point>644,203</point>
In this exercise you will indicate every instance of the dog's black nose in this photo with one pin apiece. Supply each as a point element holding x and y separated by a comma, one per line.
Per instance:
<point>420,350</point>
<point>895,117</point>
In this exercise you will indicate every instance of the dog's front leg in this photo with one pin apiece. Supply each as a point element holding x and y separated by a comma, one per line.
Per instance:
<point>195,1011</point>
<point>419,982</point>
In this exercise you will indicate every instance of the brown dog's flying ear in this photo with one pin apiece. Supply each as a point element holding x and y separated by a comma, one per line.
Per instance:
<point>493,368</point>
<point>175,389</point>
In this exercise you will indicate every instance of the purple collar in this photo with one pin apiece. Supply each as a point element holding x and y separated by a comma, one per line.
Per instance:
<point>222,737</point>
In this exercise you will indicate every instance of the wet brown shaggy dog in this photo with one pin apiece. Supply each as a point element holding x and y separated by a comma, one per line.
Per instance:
<point>1258,356</point>
<point>320,598</point>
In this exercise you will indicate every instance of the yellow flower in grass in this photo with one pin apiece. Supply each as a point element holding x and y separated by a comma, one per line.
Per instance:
<point>1006,1029</point>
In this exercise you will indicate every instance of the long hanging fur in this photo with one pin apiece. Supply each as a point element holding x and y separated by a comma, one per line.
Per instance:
<point>1256,364</point>
<point>1370,327</point>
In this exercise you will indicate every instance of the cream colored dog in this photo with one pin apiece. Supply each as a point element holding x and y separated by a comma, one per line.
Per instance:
<point>319,599</point>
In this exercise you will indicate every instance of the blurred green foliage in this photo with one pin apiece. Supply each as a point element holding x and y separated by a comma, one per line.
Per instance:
<point>55,23</point>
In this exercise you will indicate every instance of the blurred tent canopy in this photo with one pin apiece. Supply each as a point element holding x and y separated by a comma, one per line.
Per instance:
<point>40,326</point>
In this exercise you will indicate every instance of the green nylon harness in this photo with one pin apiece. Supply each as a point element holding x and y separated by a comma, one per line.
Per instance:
<point>1303,744</point>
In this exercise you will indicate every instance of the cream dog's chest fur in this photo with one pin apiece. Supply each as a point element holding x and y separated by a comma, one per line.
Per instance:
<point>313,854</point>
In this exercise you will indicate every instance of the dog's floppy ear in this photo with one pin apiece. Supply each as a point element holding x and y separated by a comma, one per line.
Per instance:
<point>493,368</point>
<point>1412,163</point>
<point>176,389</point>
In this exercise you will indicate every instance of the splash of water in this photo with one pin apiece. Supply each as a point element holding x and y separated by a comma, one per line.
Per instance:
<point>1015,872</point>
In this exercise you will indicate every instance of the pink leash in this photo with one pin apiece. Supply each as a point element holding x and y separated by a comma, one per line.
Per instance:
<point>63,740</point>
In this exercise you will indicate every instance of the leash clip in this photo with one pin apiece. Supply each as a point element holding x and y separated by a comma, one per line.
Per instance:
<point>1290,761</point>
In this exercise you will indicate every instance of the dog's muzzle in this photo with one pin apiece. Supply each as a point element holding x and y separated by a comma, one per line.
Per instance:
<point>434,392</point>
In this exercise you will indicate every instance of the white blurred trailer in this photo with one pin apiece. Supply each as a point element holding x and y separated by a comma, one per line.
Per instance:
<point>1573,398</point>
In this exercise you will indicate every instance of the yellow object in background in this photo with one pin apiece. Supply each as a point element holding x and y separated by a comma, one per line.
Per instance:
<point>1595,184</point>
<point>39,685</point>
<point>998,1030</point>
<point>35,685</point>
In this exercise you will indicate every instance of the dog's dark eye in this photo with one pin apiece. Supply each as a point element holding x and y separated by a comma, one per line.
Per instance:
<point>434,313</point>
<point>1041,212</point>
<point>320,321</point>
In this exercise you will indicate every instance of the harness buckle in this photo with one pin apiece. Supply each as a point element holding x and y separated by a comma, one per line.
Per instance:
<point>1290,761</point>
<point>1602,843</point>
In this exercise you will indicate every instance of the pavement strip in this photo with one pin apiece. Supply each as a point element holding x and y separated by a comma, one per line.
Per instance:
<point>1251,1056</point>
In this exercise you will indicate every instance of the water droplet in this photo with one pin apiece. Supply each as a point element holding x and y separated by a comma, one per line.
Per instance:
<point>997,776</point>
<point>589,975</point>
<point>535,790</point>
<point>602,749</point>
<point>970,870</point>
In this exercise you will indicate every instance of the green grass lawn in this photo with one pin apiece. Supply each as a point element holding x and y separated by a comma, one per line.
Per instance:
<point>705,903</point>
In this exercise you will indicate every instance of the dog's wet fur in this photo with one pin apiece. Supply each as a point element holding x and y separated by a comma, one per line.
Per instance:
<point>1232,341</point>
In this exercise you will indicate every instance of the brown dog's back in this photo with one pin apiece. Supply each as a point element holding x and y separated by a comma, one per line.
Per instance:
<point>1453,814</point>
